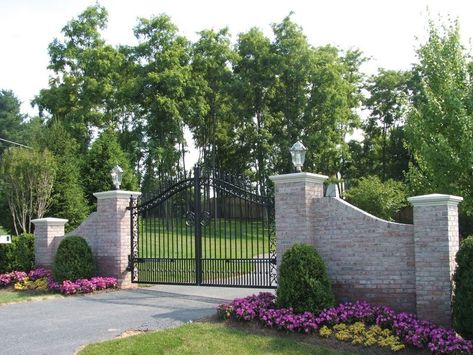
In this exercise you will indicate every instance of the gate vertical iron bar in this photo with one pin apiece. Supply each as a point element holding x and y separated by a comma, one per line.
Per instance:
<point>197,225</point>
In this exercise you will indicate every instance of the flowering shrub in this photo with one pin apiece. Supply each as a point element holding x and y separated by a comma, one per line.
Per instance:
<point>360,323</point>
<point>42,280</point>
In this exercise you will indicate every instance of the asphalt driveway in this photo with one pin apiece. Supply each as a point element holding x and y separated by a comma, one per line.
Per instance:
<point>61,326</point>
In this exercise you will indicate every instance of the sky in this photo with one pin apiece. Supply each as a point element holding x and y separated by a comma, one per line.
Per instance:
<point>386,31</point>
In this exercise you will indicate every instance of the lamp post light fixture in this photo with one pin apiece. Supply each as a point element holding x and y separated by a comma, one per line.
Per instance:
<point>298,155</point>
<point>117,175</point>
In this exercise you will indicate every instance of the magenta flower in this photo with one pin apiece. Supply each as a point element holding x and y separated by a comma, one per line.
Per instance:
<point>412,331</point>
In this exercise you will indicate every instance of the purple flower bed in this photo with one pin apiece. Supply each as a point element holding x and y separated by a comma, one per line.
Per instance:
<point>412,331</point>
<point>39,273</point>
<point>12,277</point>
<point>66,287</point>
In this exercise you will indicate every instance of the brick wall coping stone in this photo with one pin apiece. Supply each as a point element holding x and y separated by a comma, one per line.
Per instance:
<point>435,200</point>
<point>118,194</point>
<point>298,177</point>
<point>50,221</point>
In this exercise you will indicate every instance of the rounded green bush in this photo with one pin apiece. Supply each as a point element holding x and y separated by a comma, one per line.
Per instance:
<point>303,283</point>
<point>73,260</point>
<point>463,292</point>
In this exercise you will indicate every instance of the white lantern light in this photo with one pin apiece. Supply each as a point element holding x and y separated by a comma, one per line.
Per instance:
<point>298,155</point>
<point>117,175</point>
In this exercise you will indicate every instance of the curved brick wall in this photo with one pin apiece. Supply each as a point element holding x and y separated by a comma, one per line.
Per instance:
<point>408,267</point>
<point>366,257</point>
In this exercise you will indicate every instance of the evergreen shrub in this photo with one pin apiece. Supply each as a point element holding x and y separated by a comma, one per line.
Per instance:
<point>303,283</point>
<point>73,260</point>
<point>463,293</point>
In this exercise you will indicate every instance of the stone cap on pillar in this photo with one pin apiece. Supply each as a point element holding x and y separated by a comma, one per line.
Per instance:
<point>116,194</point>
<point>50,221</point>
<point>299,177</point>
<point>435,200</point>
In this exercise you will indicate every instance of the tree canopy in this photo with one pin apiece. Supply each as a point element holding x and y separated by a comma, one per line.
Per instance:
<point>245,100</point>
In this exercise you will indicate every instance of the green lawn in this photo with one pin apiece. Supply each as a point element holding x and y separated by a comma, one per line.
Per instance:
<point>229,247</point>
<point>9,296</point>
<point>3,230</point>
<point>213,271</point>
<point>206,338</point>
<point>221,238</point>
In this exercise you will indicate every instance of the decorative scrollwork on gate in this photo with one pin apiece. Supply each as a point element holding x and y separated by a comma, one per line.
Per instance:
<point>272,246</point>
<point>132,264</point>
<point>208,228</point>
<point>190,218</point>
<point>205,220</point>
<point>166,194</point>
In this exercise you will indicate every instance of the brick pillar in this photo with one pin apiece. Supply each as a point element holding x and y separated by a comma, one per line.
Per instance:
<point>113,235</point>
<point>436,243</point>
<point>48,233</point>
<point>294,199</point>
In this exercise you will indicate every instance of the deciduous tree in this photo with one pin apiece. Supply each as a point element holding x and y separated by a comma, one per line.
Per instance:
<point>440,124</point>
<point>27,178</point>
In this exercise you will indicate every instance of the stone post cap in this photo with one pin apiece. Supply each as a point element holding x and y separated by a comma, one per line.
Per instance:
<point>299,177</point>
<point>117,194</point>
<point>435,200</point>
<point>51,221</point>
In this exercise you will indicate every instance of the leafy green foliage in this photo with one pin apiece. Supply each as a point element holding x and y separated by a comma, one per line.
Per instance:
<point>212,126</point>
<point>73,260</point>
<point>440,125</point>
<point>383,151</point>
<point>382,199</point>
<point>11,118</point>
<point>103,155</point>
<point>255,79</point>
<point>303,283</point>
<point>67,199</point>
<point>19,255</point>
<point>463,294</point>
<point>159,87</point>
<point>86,77</point>
<point>27,178</point>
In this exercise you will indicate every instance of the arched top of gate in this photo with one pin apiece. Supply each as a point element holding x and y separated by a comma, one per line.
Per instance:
<point>234,188</point>
<point>167,193</point>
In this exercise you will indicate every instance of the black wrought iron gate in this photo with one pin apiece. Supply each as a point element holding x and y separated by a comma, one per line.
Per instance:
<point>204,229</point>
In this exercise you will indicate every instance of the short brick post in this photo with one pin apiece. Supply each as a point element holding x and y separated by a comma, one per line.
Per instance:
<point>294,199</point>
<point>48,233</point>
<point>436,243</point>
<point>112,246</point>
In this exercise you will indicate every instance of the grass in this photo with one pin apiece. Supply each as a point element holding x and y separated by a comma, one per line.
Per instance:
<point>206,338</point>
<point>213,271</point>
<point>9,295</point>
<point>3,230</point>
<point>221,238</point>
<point>168,249</point>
